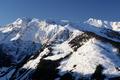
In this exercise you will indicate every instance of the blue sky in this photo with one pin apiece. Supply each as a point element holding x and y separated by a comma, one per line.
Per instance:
<point>73,10</point>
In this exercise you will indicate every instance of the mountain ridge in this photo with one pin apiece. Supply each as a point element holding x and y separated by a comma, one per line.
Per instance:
<point>72,51</point>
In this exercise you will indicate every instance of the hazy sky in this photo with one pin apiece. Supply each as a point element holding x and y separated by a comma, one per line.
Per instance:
<point>73,10</point>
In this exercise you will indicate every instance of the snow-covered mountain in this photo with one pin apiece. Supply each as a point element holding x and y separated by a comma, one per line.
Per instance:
<point>33,49</point>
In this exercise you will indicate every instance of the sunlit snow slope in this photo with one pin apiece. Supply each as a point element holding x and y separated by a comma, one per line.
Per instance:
<point>33,49</point>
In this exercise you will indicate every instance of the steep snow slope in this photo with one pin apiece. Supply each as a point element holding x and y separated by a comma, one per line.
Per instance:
<point>54,50</point>
<point>89,56</point>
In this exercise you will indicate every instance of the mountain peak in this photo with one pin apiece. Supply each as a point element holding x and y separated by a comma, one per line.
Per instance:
<point>95,22</point>
<point>22,20</point>
<point>112,25</point>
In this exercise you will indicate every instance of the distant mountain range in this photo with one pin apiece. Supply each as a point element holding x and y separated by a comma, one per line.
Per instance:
<point>33,49</point>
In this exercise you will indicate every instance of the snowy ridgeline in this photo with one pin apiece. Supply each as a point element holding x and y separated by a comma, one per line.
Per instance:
<point>54,50</point>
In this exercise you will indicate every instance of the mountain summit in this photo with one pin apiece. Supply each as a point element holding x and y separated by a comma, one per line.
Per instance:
<point>33,49</point>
